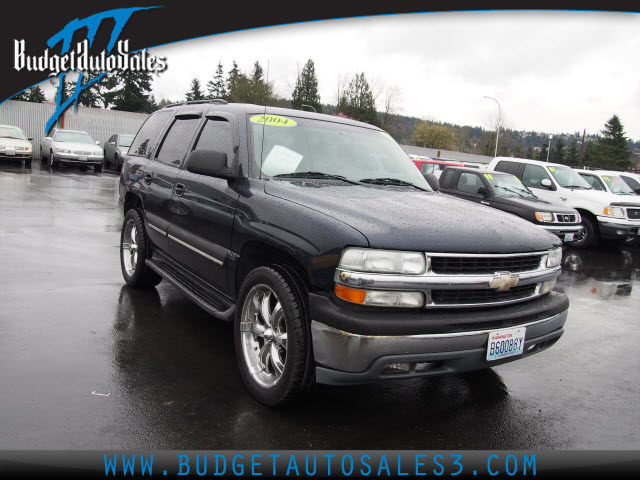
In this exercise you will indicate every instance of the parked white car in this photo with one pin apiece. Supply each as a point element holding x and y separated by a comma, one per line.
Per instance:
<point>14,145</point>
<point>604,214</point>
<point>631,179</point>
<point>72,147</point>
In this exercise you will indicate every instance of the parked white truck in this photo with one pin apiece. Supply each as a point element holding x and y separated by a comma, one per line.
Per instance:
<point>604,215</point>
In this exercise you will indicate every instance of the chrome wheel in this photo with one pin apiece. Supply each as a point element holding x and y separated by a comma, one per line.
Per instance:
<point>129,248</point>
<point>263,335</point>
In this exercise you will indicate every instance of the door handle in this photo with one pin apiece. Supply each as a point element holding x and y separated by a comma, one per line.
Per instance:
<point>179,189</point>
<point>147,178</point>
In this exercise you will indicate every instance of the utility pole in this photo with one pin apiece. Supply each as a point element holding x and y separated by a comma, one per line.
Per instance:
<point>549,149</point>
<point>582,147</point>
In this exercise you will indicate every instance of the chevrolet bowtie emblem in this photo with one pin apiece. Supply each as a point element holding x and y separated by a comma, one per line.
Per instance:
<point>503,281</point>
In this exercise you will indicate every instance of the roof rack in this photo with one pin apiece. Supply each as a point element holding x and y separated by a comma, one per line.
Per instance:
<point>196,102</point>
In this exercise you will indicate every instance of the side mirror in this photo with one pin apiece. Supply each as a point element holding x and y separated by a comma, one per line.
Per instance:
<point>484,192</point>
<point>210,163</point>
<point>112,143</point>
<point>545,182</point>
<point>47,138</point>
<point>432,180</point>
<point>97,142</point>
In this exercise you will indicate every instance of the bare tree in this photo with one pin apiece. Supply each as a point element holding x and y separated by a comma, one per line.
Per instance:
<point>392,103</point>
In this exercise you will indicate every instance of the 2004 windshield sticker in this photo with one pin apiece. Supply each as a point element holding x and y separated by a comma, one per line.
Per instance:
<point>273,120</point>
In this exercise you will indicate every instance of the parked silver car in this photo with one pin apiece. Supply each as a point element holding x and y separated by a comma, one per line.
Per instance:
<point>72,147</point>
<point>14,145</point>
<point>115,148</point>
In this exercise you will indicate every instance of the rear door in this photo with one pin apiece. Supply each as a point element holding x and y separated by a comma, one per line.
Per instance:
<point>205,206</point>
<point>161,172</point>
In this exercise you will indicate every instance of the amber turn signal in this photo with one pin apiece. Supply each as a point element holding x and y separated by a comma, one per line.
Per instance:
<point>350,294</point>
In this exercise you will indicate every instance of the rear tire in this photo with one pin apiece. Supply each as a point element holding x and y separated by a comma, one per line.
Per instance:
<point>271,323</point>
<point>134,250</point>
<point>590,236</point>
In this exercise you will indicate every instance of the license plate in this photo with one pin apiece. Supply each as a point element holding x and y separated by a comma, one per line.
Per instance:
<point>568,237</point>
<point>505,343</point>
<point>82,158</point>
<point>10,152</point>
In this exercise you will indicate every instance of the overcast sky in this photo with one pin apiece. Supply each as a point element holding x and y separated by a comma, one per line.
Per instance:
<point>555,72</point>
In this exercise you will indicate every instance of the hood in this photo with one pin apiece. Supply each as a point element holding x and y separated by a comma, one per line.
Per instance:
<point>407,219</point>
<point>604,197</point>
<point>535,204</point>
<point>14,142</point>
<point>78,147</point>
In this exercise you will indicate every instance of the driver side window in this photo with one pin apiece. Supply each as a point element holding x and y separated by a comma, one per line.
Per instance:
<point>594,182</point>
<point>533,175</point>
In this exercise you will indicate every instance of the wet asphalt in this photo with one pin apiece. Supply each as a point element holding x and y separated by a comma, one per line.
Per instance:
<point>70,327</point>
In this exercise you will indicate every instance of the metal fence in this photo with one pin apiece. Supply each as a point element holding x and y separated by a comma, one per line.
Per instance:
<point>99,123</point>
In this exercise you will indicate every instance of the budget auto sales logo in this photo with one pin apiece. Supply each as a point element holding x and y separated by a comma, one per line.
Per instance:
<point>82,60</point>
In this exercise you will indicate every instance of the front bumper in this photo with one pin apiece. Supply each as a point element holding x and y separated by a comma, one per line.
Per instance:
<point>433,343</point>
<point>72,158</point>
<point>18,156</point>
<point>618,227</point>
<point>562,230</point>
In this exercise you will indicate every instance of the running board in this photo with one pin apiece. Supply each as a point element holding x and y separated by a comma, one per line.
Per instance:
<point>204,297</point>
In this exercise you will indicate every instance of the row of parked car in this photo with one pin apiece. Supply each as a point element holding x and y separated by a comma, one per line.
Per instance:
<point>62,146</point>
<point>580,206</point>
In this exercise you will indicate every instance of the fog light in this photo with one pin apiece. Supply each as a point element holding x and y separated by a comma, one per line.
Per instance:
<point>548,286</point>
<point>394,299</point>
<point>396,368</point>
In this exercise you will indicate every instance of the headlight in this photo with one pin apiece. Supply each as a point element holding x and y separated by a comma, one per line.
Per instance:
<point>383,261</point>
<point>578,218</point>
<point>614,211</point>
<point>544,216</point>
<point>62,150</point>
<point>554,257</point>
<point>380,298</point>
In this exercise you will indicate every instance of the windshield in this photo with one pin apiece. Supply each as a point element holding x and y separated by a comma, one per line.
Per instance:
<point>10,132</point>
<point>617,185</point>
<point>506,185</point>
<point>73,137</point>
<point>125,140</point>
<point>568,177</point>
<point>293,146</point>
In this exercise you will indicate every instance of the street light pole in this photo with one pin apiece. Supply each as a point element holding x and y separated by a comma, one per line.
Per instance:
<point>549,149</point>
<point>499,120</point>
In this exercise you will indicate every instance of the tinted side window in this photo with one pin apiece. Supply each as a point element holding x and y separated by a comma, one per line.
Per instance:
<point>177,140</point>
<point>594,182</point>
<point>216,135</point>
<point>508,167</point>
<point>446,177</point>
<point>533,175</point>
<point>469,183</point>
<point>148,134</point>
<point>112,139</point>
<point>632,182</point>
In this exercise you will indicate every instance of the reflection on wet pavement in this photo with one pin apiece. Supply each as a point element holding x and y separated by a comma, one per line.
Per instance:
<point>69,327</point>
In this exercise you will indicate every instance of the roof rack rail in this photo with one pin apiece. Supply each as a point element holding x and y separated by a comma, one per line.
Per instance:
<point>196,102</point>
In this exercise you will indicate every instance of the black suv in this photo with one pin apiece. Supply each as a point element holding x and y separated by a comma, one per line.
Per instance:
<point>321,241</point>
<point>507,193</point>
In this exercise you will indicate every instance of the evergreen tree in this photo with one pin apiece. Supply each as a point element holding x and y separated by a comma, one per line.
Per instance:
<point>129,91</point>
<point>233,78</point>
<point>542,153</point>
<point>612,145</point>
<point>530,153</point>
<point>357,101</point>
<point>573,154</point>
<point>23,96</point>
<point>216,86</point>
<point>92,95</point>
<point>557,152</point>
<point>195,93</point>
<point>590,157</point>
<point>67,90</point>
<point>306,89</point>
<point>36,95</point>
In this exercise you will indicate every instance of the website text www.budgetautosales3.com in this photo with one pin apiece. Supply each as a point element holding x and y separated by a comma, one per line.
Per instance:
<point>325,464</point>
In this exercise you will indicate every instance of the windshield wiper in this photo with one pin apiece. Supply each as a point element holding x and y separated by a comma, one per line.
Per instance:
<point>312,175</point>
<point>390,181</point>
<point>512,190</point>
<point>579,186</point>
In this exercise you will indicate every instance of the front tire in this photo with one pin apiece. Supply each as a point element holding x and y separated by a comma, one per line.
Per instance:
<point>97,168</point>
<point>272,339</point>
<point>134,250</point>
<point>590,235</point>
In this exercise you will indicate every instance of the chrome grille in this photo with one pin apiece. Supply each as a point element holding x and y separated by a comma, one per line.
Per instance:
<point>565,218</point>
<point>483,265</point>
<point>481,295</point>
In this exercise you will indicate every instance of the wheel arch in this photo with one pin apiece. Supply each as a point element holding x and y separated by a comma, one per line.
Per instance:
<point>131,200</point>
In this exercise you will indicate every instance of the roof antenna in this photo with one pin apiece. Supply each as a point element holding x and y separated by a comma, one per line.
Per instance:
<point>264,120</point>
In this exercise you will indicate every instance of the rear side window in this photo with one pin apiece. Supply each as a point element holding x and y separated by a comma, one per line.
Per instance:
<point>177,140</point>
<point>446,177</point>
<point>594,182</point>
<point>426,168</point>
<point>533,176</point>
<point>632,182</point>
<point>148,134</point>
<point>508,167</point>
<point>469,183</point>
<point>216,135</point>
